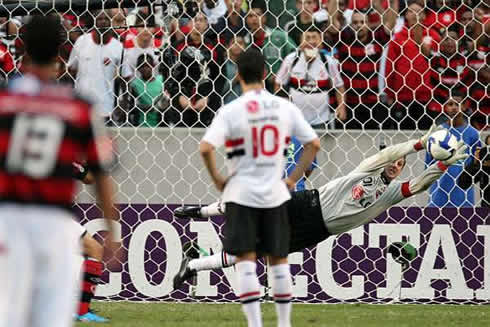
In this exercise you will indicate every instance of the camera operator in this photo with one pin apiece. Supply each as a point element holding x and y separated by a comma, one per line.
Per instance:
<point>479,171</point>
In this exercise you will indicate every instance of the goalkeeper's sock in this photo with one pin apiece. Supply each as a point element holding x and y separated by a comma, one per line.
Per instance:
<point>282,288</point>
<point>218,260</point>
<point>214,209</point>
<point>92,270</point>
<point>249,292</point>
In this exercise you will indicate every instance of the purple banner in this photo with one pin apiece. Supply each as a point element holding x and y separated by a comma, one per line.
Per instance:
<point>452,265</point>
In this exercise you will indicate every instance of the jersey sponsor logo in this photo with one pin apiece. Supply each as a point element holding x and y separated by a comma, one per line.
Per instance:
<point>357,192</point>
<point>252,106</point>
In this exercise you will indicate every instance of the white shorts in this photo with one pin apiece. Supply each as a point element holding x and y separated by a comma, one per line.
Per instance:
<point>41,272</point>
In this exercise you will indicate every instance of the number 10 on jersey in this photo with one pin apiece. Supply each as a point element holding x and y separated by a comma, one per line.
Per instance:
<point>265,140</point>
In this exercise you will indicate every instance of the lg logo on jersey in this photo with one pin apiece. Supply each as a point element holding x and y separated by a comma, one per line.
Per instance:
<point>252,107</point>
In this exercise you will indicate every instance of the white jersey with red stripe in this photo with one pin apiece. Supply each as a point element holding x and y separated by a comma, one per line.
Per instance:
<point>256,129</point>
<point>310,83</point>
<point>359,197</point>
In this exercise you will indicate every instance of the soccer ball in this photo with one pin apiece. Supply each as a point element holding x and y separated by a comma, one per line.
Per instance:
<point>442,145</point>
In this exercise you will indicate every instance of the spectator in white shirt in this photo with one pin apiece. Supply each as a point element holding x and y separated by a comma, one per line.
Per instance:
<point>313,81</point>
<point>95,62</point>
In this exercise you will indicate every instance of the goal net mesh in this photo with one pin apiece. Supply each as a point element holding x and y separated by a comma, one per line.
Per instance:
<point>366,74</point>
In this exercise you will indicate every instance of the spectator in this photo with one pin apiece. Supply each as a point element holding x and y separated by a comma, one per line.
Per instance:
<point>303,20</point>
<point>275,44</point>
<point>7,64</point>
<point>445,192</point>
<point>479,172</point>
<point>193,80</point>
<point>146,91</point>
<point>408,73</point>
<point>448,71</point>
<point>310,76</point>
<point>479,79</point>
<point>95,61</point>
<point>73,26</point>
<point>474,27</point>
<point>441,14</point>
<point>359,51</point>
<point>118,22</point>
<point>232,89</point>
<point>233,23</point>
<point>143,43</point>
<point>480,99</point>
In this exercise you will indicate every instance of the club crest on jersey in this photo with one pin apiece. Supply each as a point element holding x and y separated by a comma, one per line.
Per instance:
<point>107,61</point>
<point>252,106</point>
<point>357,192</point>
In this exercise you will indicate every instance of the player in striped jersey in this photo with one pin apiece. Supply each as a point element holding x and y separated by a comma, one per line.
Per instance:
<point>44,127</point>
<point>340,205</point>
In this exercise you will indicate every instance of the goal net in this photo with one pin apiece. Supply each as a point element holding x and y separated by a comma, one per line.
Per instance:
<point>366,74</point>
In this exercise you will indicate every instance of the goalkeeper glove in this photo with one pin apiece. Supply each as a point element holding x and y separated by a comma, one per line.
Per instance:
<point>459,155</point>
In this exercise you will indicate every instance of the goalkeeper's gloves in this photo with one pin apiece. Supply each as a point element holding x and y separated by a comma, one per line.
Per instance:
<point>459,155</point>
<point>422,143</point>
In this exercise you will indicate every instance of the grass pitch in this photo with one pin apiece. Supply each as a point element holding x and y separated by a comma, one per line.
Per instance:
<point>328,315</point>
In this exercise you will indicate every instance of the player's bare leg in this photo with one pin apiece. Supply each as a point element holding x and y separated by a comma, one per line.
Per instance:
<point>249,288</point>
<point>92,271</point>
<point>282,288</point>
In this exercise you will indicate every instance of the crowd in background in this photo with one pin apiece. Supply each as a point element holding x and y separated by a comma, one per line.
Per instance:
<point>352,64</point>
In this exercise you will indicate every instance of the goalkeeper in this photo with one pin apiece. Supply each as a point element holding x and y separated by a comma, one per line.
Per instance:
<point>340,205</point>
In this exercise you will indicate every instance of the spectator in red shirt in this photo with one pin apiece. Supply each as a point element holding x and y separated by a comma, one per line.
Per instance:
<point>7,64</point>
<point>441,14</point>
<point>359,53</point>
<point>448,71</point>
<point>408,84</point>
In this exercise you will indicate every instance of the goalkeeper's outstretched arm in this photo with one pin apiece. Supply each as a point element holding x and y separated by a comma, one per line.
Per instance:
<point>433,173</point>
<point>394,152</point>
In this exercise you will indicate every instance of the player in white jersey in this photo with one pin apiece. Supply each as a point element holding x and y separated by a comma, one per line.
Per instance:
<point>340,205</point>
<point>256,130</point>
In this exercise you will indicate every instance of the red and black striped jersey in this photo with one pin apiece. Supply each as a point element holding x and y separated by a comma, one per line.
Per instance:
<point>44,128</point>
<point>360,64</point>
<point>447,73</point>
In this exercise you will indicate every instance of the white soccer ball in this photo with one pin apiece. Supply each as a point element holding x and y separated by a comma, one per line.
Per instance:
<point>442,145</point>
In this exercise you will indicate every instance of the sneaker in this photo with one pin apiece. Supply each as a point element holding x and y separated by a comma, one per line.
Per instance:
<point>91,317</point>
<point>184,273</point>
<point>188,212</point>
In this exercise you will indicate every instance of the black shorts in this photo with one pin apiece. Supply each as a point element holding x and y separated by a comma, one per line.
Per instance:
<point>264,231</point>
<point>306,220</point>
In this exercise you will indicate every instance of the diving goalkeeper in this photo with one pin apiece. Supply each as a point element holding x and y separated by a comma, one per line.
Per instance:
<point>339,206</point>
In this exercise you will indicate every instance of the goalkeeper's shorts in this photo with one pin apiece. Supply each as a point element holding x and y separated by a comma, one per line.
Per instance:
<point>305,220</point>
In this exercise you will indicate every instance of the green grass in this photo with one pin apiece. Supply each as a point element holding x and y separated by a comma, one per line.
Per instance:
<point>228,315</point>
